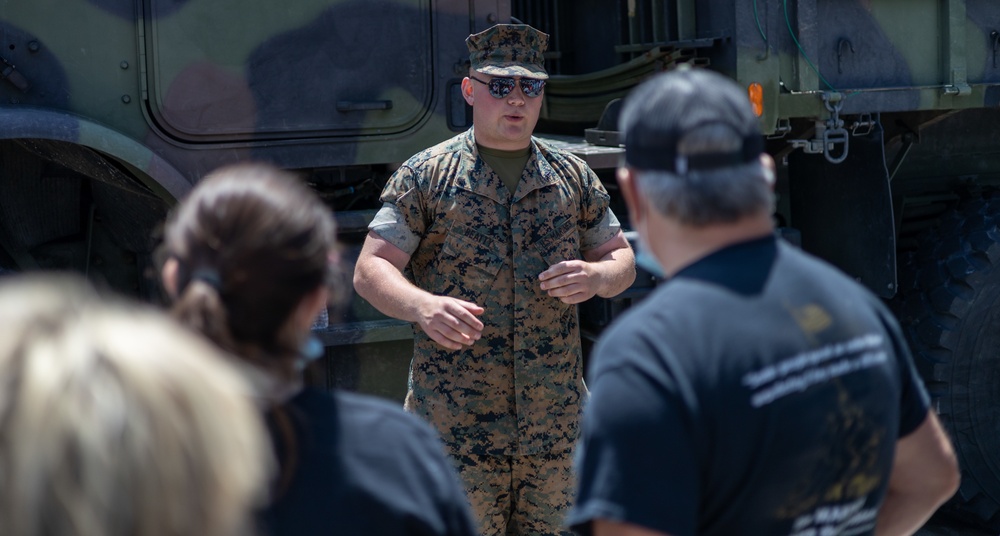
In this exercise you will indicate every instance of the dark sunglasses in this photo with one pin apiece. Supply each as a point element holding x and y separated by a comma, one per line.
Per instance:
<point>501,87</point>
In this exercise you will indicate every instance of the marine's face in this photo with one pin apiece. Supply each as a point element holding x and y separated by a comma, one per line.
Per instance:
<point>504,123</point>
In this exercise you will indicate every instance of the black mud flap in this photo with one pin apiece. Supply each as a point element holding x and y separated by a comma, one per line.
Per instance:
<point>844,211</point>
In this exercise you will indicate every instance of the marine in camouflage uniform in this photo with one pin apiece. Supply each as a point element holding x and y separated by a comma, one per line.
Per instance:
<point>506,393</point>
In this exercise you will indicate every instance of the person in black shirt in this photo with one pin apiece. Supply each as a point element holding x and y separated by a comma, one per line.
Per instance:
<point>758,390</point>
<point>251,262</point>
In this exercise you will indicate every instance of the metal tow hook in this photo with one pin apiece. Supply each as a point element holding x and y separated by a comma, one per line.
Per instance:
<point>834,132</point>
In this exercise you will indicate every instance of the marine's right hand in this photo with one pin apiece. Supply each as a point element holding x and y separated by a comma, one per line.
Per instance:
<point>450,322</point>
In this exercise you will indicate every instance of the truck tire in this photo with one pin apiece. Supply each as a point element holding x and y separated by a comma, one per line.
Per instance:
<point>949,308</point>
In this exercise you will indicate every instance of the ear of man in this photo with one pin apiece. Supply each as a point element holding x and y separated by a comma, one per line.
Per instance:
<point>467,90</point>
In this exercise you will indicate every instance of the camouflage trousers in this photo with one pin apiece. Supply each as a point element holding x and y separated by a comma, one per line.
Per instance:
<point>519,495</point>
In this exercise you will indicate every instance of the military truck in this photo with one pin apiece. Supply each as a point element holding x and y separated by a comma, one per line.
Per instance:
<point>881,115</point>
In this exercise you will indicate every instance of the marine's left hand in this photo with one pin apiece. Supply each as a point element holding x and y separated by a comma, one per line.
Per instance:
<point>572,281</point>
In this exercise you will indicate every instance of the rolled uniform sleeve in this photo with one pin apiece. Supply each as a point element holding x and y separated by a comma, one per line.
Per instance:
<point>597,221</point>
<point>401,221</point>
<point>605,229</point>
<point>391,226</point>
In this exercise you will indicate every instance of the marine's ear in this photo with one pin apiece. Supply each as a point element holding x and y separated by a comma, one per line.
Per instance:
<point>467,90</point>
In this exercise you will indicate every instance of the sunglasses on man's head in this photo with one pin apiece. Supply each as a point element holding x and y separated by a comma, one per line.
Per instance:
<point>501,87</point>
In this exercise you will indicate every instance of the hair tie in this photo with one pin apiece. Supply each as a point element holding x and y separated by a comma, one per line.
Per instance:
<point>209,276</point>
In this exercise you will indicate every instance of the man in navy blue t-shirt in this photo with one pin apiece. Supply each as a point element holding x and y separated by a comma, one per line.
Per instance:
<point>758,391</point>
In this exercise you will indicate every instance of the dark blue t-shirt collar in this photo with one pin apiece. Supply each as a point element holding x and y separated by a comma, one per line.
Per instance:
<point>743,267</point>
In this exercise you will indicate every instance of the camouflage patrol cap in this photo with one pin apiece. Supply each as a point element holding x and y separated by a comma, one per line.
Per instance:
<point>509,50</point>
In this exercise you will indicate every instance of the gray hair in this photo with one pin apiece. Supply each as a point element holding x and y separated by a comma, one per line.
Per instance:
<point>700,198</point>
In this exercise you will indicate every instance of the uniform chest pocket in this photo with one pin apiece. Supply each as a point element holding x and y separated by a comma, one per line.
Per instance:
<point>562,243</point>
<point>469,263</point>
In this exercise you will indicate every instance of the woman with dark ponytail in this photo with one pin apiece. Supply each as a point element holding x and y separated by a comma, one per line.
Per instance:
<point>251,261</point>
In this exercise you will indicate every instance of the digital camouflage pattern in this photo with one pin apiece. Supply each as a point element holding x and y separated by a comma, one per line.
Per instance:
<point>509,50</point>
<point>507,407</point>
<point>545,485</point>
<point>519,389</point>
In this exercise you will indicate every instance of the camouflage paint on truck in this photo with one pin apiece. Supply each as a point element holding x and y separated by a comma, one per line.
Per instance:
<point>111,110</point>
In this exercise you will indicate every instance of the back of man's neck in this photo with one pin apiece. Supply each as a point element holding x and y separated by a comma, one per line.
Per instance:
<point>689,244</point>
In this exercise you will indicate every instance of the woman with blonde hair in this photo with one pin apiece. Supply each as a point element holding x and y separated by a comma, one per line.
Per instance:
<point>114,421</point>
<point>251,261</point>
